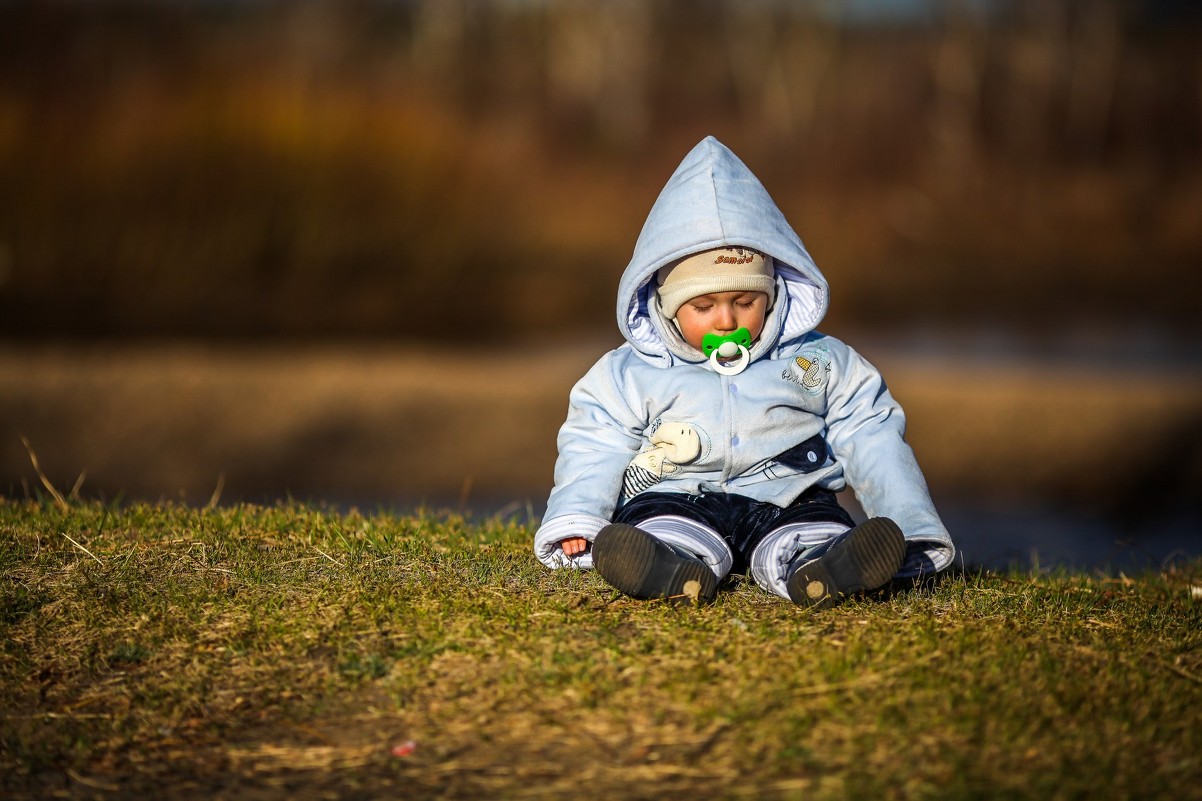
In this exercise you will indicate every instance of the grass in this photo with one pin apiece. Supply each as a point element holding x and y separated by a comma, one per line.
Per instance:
<point>265,652</point>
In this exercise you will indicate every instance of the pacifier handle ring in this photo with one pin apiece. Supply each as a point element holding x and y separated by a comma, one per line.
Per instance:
<point>731,367</point>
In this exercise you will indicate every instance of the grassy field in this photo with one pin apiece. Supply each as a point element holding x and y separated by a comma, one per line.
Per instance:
<point>291,651</point>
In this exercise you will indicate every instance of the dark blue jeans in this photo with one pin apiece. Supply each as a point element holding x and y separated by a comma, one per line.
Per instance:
<point>741,521</point>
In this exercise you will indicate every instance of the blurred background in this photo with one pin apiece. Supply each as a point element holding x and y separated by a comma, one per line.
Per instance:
<point>357,253</point>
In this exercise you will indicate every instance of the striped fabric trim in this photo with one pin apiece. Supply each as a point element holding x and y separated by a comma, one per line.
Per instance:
<point>770,559</point>
<point>694,537</point>
<point>557,529</point>
<point>637,479</point>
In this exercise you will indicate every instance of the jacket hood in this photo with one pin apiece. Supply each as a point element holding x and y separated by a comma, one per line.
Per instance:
<point>713,200</point>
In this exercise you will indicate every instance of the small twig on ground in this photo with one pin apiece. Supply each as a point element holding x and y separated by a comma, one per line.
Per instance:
<point>1182,672</point>
<point>95,784</point>
<point>54,493</point>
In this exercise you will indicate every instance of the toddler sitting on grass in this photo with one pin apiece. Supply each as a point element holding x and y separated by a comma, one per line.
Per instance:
<point>714,440</point>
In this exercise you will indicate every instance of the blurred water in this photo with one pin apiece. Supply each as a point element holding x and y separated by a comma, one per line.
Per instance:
<point>380,428</point>
<point>1032,534</point>
<point>1031,538</point>
<point>1147,344</point>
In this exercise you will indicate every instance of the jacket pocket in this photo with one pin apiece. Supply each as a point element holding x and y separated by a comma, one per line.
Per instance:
<point>807,456</point>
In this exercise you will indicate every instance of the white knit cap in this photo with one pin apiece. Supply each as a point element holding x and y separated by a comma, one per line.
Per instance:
<point>733,269</point>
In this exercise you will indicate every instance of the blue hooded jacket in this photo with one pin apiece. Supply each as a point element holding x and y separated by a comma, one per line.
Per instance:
<point>808,411</point>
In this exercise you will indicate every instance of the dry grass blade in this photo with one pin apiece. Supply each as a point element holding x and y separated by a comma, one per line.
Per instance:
<point>327,556</point>
<point>58,496</point>
<point>216,496</point>
<point>80,547</point>
<point>269,758</point>
<point>78,485</point>
<point>1182,672</point>
<point>37,468</point>
<point>92,783</point>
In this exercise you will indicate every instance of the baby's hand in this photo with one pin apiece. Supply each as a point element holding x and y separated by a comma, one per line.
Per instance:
<point>574,545</point>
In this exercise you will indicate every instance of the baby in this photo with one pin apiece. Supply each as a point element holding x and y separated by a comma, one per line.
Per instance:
<point>715,439</point>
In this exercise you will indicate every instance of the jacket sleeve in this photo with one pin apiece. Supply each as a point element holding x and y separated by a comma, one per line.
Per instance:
<point>602,433</point>
<point>866,432</point>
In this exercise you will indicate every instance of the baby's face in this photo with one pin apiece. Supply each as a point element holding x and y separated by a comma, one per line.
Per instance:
<point>722,313</point>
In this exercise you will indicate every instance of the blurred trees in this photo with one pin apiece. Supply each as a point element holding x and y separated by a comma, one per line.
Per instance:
<point>368,169</point>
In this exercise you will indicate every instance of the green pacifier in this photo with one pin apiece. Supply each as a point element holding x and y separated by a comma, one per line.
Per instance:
<point>717,346</point>
<point>714,342</point>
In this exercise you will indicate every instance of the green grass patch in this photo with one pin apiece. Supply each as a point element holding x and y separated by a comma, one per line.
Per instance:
<point>286,651</point>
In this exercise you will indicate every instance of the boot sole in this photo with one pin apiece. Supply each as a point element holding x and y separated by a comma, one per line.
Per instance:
<point>638,565</point>
<point>870,556</point>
